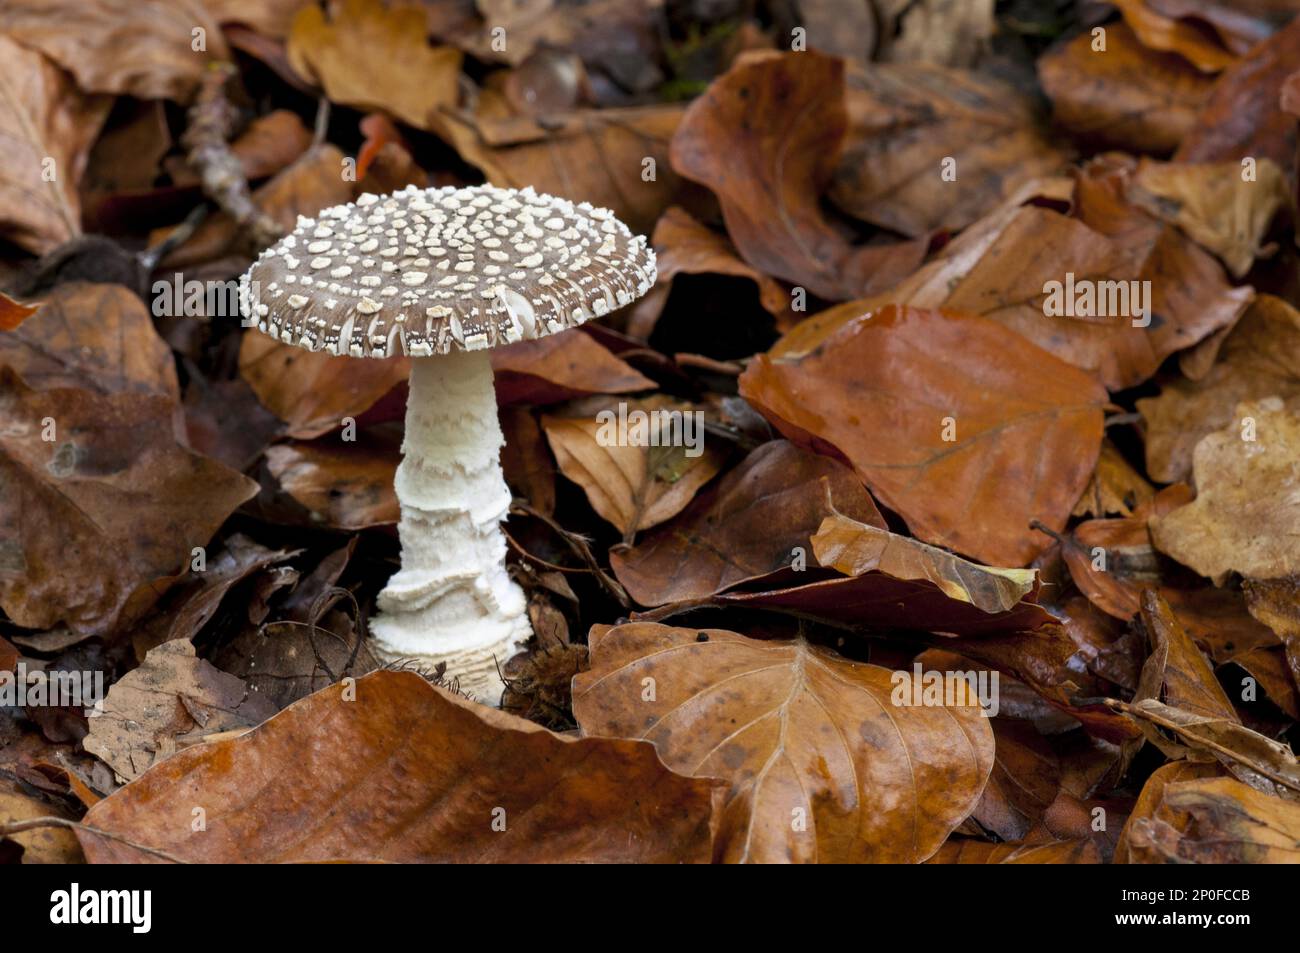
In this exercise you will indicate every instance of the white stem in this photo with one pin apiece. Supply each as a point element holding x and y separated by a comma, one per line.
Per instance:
<point>452,600</point>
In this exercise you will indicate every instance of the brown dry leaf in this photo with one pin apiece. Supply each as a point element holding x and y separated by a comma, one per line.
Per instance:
<point>906,121</point>
<point>267,145</point>
<point>1176,671</point>
<point>1259,357</point>
<point>272,18</point>
<point>312,391</point>
<point>1214,204</point>
<point>94,336</point>
<point>47,845</point>
<point>560,367</point>
<point>746,526</point>
<point>1171,35</point>
<point>1276,603</point>
<point>342,484</point>
<point>1125,97</point>
<point>858,549</point>
<point>171,701</point>
<point>634,487</point>
<point>1264,764</point>
<point>823,765</point>
<point>943,32</point>
<point>48,127</point>
<point>1215,821</point>
<point>1115,486</point>
<point>685,246</point>
<point>1243,115</point>
<point>525,461</point>
<point>437,772</point>
<point>1244,518</point>
<point>8,655</point>
<point>766,138</point>
<point>141,48</point>
<point>1026,779</point>
<point>884,390</point>
<point>1152,792</point>
<point>194,600</point>
<point>963,850</point>
<point>601,156</point>
<point>370,56</point>
<point>285,661</point>
<point>13,313</point>
<point>113,504</point>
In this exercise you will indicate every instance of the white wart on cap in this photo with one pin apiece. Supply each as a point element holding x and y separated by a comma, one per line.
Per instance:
<point>427,271</point>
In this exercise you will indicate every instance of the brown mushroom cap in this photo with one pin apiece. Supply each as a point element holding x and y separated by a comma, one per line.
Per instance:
<point>423,271</point>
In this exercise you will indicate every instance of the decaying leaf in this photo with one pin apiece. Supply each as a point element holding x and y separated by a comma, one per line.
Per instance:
<point>766,138</point>
<point>394,769</point>
<point>966,432</point>
<point>753,522</point>
<point>800,733</point>
<point>342,484</point>
<point>643,476</point>
<point>112,494</point>
<point>48,127</point>
<point>1244,518</point>
<point>1115,487</point>
<point>172,700</point>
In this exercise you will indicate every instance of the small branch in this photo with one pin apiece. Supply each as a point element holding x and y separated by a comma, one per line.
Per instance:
<point>212,121</point>
<point>36,823</point>
<point>580,549</point>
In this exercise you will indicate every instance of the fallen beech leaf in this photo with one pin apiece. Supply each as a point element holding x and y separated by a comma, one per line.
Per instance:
<point>963,850</point>
<point>1024,782</point>
<point>140,48</point>
<point>272,18</point>
<point>525,461</point>
<point>1176,671</point>
<point>1214,205</point>
<point>1216,821</point>
<point>1259,357</point>
<point>46,845</point>
<point>313,391</point>
<point>1276,603</point>
<point>194,600</point>
<point>1243,518</point>
<point>370,56</point>
<point>268,145</point>
<point>883,389</point>
<point>1115,486</point>
<point>285,661</point>
<point>1172,35</point>
<point>634,487</point>
<point>8,655</point>
<point>746,526</point>
<point>114,496</point>
<point>684,246</point>
<point>560,367</point>
<point>1264,764</point>
<point>12,314</point>
<point>1128,97</point>
<point>766,137</point>
<point>1152,792</point>
<point>590,155</point>
<point>172,700</point>
<point>433,769</point>
<point>907,120</point>
<point>799,732</point>
<point>856,549</point>
<point>94,336</point>
<point>1243,115</point>
<point>344,485</point>
<point>43,119</point>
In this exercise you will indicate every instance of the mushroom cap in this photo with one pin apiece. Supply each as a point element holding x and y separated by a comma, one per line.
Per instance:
<point>426,271</point>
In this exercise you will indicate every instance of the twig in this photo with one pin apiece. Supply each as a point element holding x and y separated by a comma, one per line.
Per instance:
<point>36,823</point>
<point>580,548</point>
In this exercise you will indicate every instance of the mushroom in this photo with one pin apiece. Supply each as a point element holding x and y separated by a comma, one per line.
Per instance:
<point>445,275</point>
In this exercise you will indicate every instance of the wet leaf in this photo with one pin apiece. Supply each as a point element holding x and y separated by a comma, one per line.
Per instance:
<point>802,735</point>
